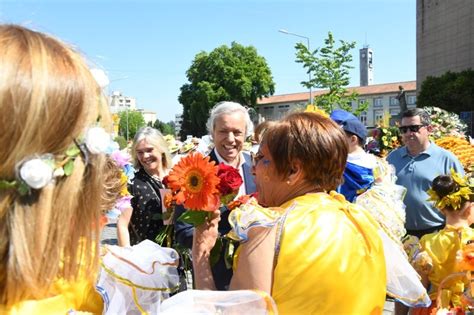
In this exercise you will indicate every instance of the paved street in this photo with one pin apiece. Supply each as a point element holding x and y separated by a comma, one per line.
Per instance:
<point>109,234</point>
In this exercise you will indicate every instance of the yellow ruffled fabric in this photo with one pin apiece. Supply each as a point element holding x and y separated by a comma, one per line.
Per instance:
<point>79,296</point>
<point>331,259</point>
<point>442,248</point>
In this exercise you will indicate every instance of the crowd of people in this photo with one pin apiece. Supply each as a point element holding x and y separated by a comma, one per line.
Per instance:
<point>320,226</point>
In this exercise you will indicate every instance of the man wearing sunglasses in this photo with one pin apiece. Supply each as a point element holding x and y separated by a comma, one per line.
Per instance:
<point>417,163</point>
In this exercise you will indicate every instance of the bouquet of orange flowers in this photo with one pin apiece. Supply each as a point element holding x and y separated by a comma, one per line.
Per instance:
<point>201,187</point>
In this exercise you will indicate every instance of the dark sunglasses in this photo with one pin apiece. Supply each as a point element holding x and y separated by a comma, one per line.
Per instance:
<point>256,157</point>
<point>413,128</point>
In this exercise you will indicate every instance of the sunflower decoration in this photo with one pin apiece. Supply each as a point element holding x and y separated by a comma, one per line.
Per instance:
<point>387,139</point>
<point>193,182</point>
<point>454,199</point>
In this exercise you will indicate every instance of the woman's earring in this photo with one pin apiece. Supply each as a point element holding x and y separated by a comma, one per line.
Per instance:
<point>288,182</point>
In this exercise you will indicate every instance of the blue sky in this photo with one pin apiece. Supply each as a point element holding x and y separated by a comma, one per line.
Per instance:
<point>146,47</point>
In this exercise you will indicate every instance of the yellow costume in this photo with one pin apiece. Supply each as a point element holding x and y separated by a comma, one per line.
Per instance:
<point>80,296</point>
<point>442,248</point>
<point>330,257</point>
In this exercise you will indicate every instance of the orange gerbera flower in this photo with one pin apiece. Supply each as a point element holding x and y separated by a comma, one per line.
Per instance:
<point>194,179</point>
<point>168,200</point>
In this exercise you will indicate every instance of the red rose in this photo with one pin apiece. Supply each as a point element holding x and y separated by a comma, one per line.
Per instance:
<point>230,179</point>
<point>165,181</point>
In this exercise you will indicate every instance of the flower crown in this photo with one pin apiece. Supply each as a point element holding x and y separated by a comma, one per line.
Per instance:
<point>455,198</point>
<point>122,159</point>
<point>36,172</point>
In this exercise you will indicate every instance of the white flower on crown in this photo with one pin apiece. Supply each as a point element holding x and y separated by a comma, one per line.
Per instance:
<point>97,140</point>
<point>36,173</point>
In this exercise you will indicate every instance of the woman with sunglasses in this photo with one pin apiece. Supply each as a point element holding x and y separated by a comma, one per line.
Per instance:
<point>322,255</point>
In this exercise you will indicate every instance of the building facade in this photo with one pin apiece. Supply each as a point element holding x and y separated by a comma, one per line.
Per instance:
<point>148,116</point>
<point>119,102</point>
<point>444,37</point>
<point>178,121</point>
<point>382,100</point>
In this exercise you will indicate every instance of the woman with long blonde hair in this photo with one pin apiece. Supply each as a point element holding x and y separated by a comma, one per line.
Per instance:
<point>51,181</point>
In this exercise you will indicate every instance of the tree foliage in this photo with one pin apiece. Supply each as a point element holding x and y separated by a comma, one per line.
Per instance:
<point>135,121</point>
<point>329,68</point>
<point>122,142</point>
<point>165,128</point>
<point>453,91</point>
<point>236,73</point>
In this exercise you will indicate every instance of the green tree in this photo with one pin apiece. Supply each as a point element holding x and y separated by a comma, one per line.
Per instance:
<point>122,142</point>
<point>453,91</point>
<point>236,73</point>
<point>165,128</point>
<point>135,121</point>
<point>329,69</point>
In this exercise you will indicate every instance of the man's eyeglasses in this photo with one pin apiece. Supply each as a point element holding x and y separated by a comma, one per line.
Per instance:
<point>413,128</point>
<point>256,157</point>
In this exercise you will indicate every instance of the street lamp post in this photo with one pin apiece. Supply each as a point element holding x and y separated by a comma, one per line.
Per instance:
<point>309,73</point>
<point>127,105</point>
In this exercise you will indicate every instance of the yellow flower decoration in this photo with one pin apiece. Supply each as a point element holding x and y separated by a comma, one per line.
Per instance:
<point>454,199</point>
<point>314,109</point>
<point>123,182</point>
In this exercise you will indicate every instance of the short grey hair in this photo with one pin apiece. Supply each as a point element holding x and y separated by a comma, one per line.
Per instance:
<point>425,118</point>
<point>156,139</point>
<point>227,108</point>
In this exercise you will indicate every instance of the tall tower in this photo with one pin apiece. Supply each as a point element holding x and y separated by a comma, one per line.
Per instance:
<point>366,66</point>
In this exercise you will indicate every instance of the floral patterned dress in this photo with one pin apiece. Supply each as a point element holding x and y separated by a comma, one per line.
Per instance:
<point>146,221</point>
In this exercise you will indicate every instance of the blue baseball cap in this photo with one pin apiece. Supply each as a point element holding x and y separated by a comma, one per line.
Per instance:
<point>355,127</point>
<point>340,116</point>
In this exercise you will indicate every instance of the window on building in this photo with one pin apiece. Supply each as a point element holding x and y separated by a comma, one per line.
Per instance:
<point>411,100</point>
<point>363,118</point>
<point>394,111</point>
<point>268,113</point>
<point>378,102</point>
<point>361,101</point>
<point>378,117</point>
<point>394,101</point>
<point>282,110</point>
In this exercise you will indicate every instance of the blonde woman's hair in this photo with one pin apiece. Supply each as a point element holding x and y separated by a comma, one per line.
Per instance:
<point>48,97</point>
<point>156,139</point>
<point>114,185</point>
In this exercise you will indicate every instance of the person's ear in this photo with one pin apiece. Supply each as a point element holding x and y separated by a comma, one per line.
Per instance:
<point>296,173</point>
<point>354,140</point>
